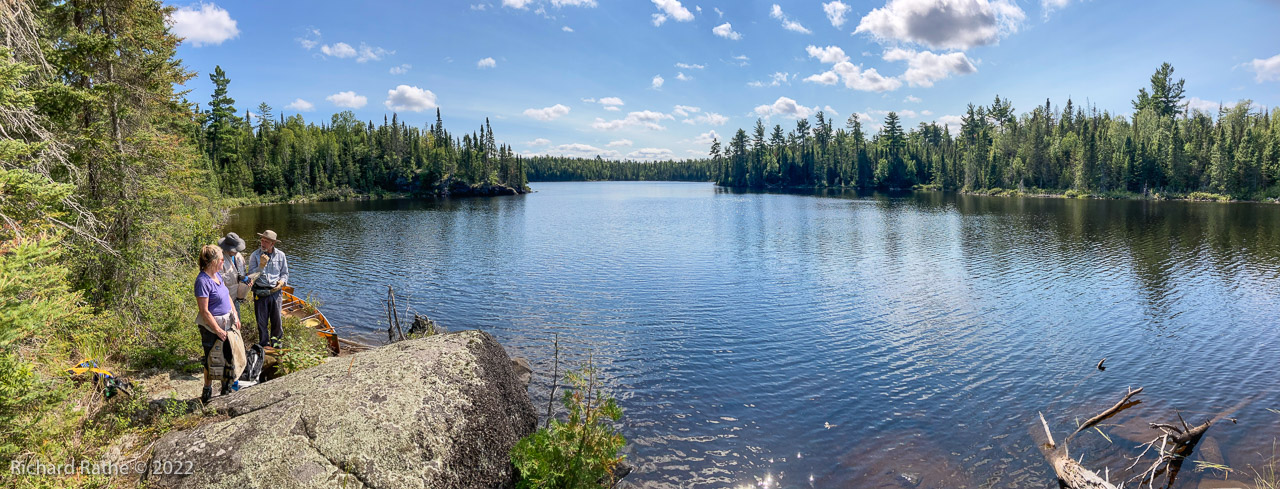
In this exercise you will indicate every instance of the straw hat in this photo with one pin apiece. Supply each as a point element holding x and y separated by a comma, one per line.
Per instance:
<point>231,242</point>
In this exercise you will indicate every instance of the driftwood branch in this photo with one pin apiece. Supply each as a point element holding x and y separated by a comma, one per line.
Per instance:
<point>1120,406</point>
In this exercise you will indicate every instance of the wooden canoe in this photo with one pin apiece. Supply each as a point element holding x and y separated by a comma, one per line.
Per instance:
<point>311,317</point>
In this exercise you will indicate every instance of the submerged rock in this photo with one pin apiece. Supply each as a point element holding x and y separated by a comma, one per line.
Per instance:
<point>438,412</point>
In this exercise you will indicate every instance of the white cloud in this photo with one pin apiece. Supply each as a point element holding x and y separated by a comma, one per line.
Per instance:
<point>301,106</point>
<point>706,137</point>
<point>685,110</point>
<point>652,154</point>
<point>1207,106</point>
<point>400,70</point>
<point>829,54</point>
<point>612,108</point>
<point>567,29</point>
<point>1266,69</point>
<point>830,111</point>
<point>486,63</point>
<point>854,77</point>
<point>924,67</point>
<point>682,77</point>
<point>787,23</point>
<point>835,12</point>
<point>520,4</point>
<point>776,79</point>
<point>709,118</point>
<point>338,50</point>
<point>688,66</point>
<point>619,143</point>
<point>374,53</point>
<point>414,99</point>
<point>786,107</point>
<point>719,12</point>
<point>742,59</point>
<point>539,142</point>
<point>946,24</point>
<point>574,3</point>
<point>725,30</point>
<point>912,98</point>
<point>824,78</point>
<point>210,24</point>
<point>646,118</point>
<point>953,123</point>
<point>926,113</point>
<point>579,150</point>
<point>671,9</point>
<point>608,101</point>
<point>658,81</point>
<point>1048,6</point>
<point>547,113</point>
<point>480,6</point>
<point>348,99</point>
<point>309,40</point>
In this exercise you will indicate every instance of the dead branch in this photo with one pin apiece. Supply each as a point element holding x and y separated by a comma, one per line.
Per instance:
<point>1120,406</point>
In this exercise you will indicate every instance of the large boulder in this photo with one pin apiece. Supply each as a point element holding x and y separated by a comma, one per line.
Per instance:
<point>438,412</point>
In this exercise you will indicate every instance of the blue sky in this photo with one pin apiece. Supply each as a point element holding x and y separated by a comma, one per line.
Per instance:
<point>654,79</point>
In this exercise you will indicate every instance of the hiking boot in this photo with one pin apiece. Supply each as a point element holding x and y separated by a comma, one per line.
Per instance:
<point>226,388</point>
<point>206,394</point>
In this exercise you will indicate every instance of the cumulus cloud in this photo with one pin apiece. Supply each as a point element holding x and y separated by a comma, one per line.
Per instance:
<point>646,119</point>
<point>210,24</point>
<point>486,63</point>
<point>683,77</point>
<point>567,29</point>
<point>685,110</point>
<point>709,118</point>
<point>348,99</point>
<point>547,113</point>
<point>611,101</point>
<point>725,30</point>
<point>924,67</point>
<point>1207,106</point>
<point>414,99</point>
<point>619,143</point>
<point>688,66</point>
<point>338,50</point>
<point>835,12</point>
<point>539,142</point>
<point>400,70</point>
<point>520,4</point>
<point>785,107</point>
<point>658,81</point>
<point>579,150</point>
<point>853,76</point>
<point>776,79</point>
<point>945,24</point>
<point>952,122</point>
<point>652,154</point>
<point>706,137</point>
<point>787,23</point>
<point>670,9</point>
<point>1266,69</point>
<point>301,106</point>
<point>371,53</point>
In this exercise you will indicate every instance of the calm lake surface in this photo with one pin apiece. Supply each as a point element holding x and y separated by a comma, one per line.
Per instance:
<point>842,339</point>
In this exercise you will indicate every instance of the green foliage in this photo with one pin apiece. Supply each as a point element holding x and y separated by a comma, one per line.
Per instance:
<point>565,169</point>
<point>580,452</point>
<point>303,348</point>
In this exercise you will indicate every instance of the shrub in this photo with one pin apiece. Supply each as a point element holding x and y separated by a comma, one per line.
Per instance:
<point>580,452</point>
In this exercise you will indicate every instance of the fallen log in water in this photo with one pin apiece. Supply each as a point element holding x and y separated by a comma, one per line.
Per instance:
<point>1173,446</point>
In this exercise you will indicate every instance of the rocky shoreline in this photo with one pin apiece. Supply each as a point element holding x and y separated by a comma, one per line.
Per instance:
<point>437,412</point>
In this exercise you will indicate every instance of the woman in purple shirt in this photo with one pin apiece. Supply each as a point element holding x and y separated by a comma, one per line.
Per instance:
<point>216,315</point>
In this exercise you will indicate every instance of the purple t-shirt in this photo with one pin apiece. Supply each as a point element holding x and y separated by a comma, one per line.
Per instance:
<point>219,299</point>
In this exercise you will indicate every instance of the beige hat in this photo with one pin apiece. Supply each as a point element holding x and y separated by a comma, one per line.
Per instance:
<point>269,234</point>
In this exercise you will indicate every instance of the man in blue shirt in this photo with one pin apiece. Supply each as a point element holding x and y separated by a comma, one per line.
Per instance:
<point>267,288</point>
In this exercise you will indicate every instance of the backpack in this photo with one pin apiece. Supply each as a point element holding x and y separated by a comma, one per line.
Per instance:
<point>253,355</point>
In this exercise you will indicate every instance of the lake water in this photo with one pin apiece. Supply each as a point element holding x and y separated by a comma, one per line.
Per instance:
<point>842,339</point>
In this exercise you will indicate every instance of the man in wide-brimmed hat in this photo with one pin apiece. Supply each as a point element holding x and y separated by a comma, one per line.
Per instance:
<point>270,261</point>
<point>233,264</point>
